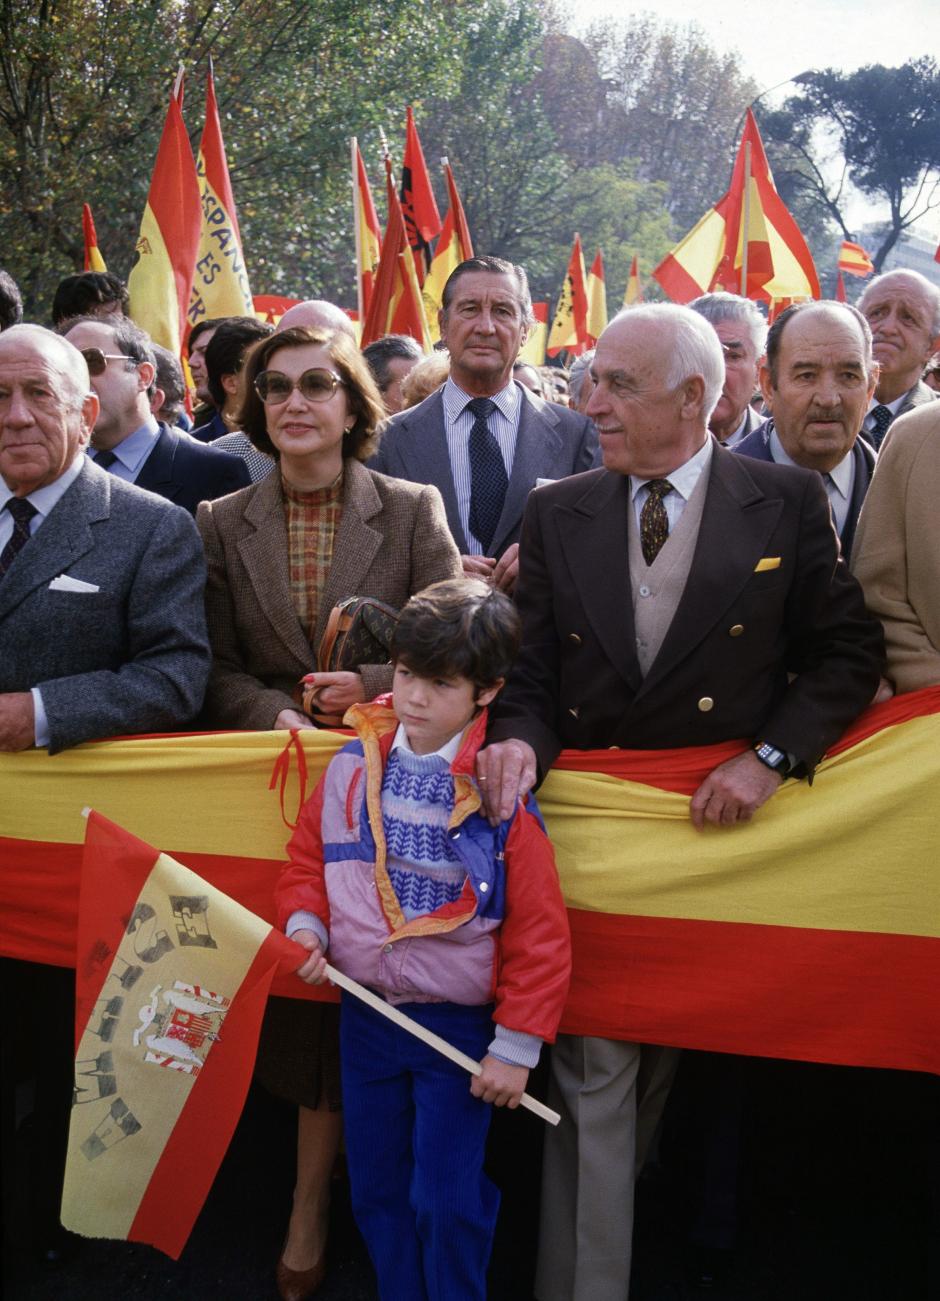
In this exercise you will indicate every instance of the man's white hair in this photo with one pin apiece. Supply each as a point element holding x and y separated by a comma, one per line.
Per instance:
<point>721,306</point>
<point>903,273</point>
<point>72,364</point>
<point>693,349</point>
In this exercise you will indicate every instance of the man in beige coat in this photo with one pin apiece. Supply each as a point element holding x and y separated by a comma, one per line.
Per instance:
<point>897,556</point>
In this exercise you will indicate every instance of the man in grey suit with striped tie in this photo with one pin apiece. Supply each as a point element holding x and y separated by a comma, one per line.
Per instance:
<point>483,440</point>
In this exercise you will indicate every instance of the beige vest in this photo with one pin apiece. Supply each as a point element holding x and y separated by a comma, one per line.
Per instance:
<point>657,588</point>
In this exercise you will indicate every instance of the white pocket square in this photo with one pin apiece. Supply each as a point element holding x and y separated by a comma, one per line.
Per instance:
<point>66,584</point>
<point>540,483</point>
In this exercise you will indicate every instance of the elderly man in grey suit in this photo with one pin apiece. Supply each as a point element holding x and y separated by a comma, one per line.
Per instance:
<point>903,310</point>
<point>101,584</point>
<point>483,440</point>
<point>742,333</point>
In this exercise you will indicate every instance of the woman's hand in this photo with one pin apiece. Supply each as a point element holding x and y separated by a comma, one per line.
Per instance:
<point>291,718</point>
<point>335,692</point>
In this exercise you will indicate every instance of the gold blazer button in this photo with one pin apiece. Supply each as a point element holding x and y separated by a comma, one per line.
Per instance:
<point>574,712</point>
<point>735,630</point>
<point>573,636</point>
<point>705,704</point>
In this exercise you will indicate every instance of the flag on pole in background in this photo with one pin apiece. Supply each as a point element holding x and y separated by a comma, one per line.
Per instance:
<point>533,350</point>
<point>220,282</point>
<point>161,281</point>
<point>453,247</point>
<point>634,292</point>
<point>748,235</point>
<point>840,287</point>
<point>597,298</point>
<point>569,330</point>
<point>396,306</point>
<point>854,259</point>
<point>422,219</point>
<point>368,232</point>
<point>93,259</point>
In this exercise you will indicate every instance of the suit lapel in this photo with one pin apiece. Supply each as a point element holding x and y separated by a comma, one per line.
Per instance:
<point>537,443</point>
<point>356,544</point>
<point>426,459</point>
<point>599,529</point>
<point>265,556</point>
<point>737,521</point>
<point>61,540</point>
<point>156,474</point>
<point>864,468</point>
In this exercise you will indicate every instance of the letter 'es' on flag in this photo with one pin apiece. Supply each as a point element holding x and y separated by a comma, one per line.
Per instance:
<point>453,247</point>
<point>569,330</point>
<point>93,259</point>
<point>162,277</point>
<point>172,977</point>
<point>854,260</point>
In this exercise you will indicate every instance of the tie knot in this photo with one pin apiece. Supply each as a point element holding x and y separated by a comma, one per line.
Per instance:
<point>105,459</point>
<point>481,407</point>
<point>21,510</point>
<point>658,488</point>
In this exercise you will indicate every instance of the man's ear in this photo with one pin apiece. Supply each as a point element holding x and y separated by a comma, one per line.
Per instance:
<point>693,395</point>
<point>146,374</point>
<point>230,383</point>
<point>766,386</point>
<point>489,694</point>
<point>89,413</point>
<point>874,375</point>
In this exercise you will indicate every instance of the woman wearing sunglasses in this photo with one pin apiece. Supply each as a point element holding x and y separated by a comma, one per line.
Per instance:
<point>281,554</point>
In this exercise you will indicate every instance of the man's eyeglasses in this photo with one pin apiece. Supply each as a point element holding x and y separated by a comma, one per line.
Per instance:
<point>97,361</point>
<point>315,385</point>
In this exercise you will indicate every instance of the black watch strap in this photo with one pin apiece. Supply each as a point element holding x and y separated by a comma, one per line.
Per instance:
<point>771,757</point>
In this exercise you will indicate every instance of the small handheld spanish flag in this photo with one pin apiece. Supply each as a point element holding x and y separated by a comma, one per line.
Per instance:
<point>854,260</point>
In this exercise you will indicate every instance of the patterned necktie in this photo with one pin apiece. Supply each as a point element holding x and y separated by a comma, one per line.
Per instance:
<point>22,512</point>
<point>488,478</point>
<point>654,522</point>
<point>105,460</point>
<point>882,417</point>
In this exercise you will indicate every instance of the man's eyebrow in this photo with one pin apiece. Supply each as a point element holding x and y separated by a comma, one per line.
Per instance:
<point>732,343</point>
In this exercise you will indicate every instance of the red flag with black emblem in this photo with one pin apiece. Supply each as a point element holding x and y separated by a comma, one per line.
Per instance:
<point>418,205</point>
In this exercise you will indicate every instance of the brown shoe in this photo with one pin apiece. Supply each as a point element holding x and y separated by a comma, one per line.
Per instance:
<point>299,1284</point>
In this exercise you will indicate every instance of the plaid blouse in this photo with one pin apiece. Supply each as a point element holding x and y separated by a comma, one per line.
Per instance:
<point>312,520</point>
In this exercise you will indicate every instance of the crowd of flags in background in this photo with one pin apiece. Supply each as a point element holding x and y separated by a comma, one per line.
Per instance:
<point>191,266</point>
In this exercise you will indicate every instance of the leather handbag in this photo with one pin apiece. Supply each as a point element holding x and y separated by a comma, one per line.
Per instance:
<point>358,631</point>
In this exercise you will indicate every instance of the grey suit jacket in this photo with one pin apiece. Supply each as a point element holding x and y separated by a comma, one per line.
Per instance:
<point>132,656</point>
<point>553,442</point>
<point>391,542</point>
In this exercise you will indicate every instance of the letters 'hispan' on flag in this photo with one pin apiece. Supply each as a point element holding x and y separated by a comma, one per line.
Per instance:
<point>533,350</point>
<point>93,259</point>
<point>855,260</point>
<point>453,247</point>
<point>419,209</point>
<point>161,281</point>
<point>220,282</point>
<point>634,291</point>
<point>368,232</point>
<point>747,244</point>
<point>396,306</point>
<point>569,330</point>
<point>172,977</point>
<point>597,298</point>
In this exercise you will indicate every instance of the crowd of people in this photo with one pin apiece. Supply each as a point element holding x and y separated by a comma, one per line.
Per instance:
<point>704,530</point>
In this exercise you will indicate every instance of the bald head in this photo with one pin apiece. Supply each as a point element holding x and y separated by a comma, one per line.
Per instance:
<point>903,309</point>
<point>317,314</point>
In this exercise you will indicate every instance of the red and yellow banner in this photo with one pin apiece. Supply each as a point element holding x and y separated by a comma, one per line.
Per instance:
<point>634,291</point>
<point>396,306</point>
<point>533,350</point>
<point>569,332</point>
<point>93,259</point>
<point>596,289</point>
<point>453,247</point>
<point>854,259</point>
<point>812,932</point>
<point>367,231</point>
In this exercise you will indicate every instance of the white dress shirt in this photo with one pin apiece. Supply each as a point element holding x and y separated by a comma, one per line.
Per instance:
<point>683,482</point>
<point>503,423</point>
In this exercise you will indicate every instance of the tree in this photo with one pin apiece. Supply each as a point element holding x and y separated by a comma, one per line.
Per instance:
<point>882,126</point>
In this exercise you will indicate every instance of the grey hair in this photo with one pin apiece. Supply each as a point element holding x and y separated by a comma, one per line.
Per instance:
<point>576,373</point>
<point>74,367</point>
<point>722,306</point>
<point>694,348</point>
<point>931,290</point>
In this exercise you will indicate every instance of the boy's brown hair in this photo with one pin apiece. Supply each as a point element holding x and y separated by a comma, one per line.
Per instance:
<point>461,627</point>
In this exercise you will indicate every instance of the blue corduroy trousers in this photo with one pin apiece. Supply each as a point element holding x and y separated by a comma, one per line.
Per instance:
<point>415,1140</point>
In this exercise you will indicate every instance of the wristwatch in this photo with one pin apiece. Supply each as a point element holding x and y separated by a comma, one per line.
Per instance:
<point>771,757</point>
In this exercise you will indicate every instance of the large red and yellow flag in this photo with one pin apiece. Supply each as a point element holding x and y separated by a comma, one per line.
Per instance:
<point>161,281</point>
<point>855,260</point>
<point>748,243</point>
<point>396,307</point>
<point>93,259</point>
<point>634,290</point>
<point>596,289</point>
<point>172,977</point>
<point>569,332</point>
<point>368,232</point>
<point>418,205</point>
<point>453,247</point>
<point>220,282</point>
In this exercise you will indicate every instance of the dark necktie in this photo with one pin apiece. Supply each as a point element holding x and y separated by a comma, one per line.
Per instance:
<point>22,512</point>
<point>654,522</point>
<point>105,460</point>
<point>882,417</point>
<point>488,478</point>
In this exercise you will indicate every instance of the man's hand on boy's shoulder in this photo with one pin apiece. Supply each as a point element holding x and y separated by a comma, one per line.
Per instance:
<point>500,1083</point>
<point>313,971</point>
<point>506,771</point>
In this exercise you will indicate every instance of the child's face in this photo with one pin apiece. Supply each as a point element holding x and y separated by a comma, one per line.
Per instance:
<point>432,710</point>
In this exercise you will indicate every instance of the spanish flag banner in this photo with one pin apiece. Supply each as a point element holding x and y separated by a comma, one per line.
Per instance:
<point>396,306</point>
<point>854,260</point>
<point>418,205</point>
<point>533,350</point>
<point>367,230</point>
<point>748,243</point>
<point>453,247</point>
<point>569,332</point>
<point>220,281</point>
<point>172,979</point>
<point>161,280</point>
<point>812,932</point>
<point>634,291</point>
<point>93,259</point>
<point>597,299</point>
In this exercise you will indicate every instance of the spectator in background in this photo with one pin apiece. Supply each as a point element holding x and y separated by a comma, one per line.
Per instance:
<point>903,310</point>
<point>168,401</point>
<point>555,382</point>
<point>90,293</point>
<point>391,359</point>
<point>426,378</point>
<point>580,384</point>
<point>528,375</point>
<point>931,375</point>
<point>225,357</point>
<point>742,332</point>
<point>316,314</point>
<point>208,422</point>
<point>11,304</point>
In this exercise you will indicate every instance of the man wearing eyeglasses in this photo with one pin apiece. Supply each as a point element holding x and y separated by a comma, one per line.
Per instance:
<point>127,440</point>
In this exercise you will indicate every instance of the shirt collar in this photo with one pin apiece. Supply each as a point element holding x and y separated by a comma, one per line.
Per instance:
<point>455,400</point>
<point>736,435</point>
<point>133,449</point>
<point>685,477</point>
<point>841,475</point>
<point>51,493</point>
<point>447,752</point>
